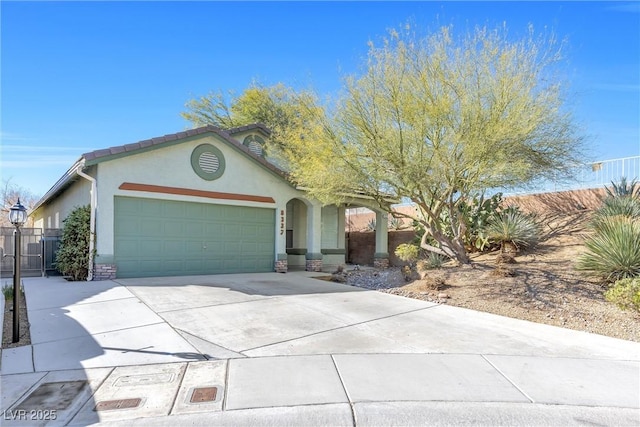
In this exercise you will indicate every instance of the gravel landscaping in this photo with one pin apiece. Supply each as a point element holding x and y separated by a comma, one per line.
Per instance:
<point>542,286</point>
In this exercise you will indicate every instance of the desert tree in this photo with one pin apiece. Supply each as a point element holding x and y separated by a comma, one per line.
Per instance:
<point>439,119</point>
<point>279,107</point>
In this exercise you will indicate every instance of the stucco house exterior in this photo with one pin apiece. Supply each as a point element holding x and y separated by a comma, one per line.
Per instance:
<point>202,201</point>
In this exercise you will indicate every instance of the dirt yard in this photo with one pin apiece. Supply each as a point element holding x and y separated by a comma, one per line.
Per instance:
<point>542,286</point>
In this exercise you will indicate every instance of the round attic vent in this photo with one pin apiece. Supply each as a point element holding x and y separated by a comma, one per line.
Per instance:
<point>255,148</point>
<point>255,144</point>
<point>207,162</point>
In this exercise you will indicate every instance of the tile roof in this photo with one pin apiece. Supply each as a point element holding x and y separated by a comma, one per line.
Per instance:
<point>101,155</point>
<point>258,126</point>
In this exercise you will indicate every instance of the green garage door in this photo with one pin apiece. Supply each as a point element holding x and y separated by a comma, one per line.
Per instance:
<point>167,238</point>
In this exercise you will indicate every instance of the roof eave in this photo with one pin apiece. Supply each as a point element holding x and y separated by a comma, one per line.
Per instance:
<point>65,180</point>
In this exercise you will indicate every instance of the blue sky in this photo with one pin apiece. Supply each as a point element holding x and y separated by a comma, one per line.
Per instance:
<point>79,76</point>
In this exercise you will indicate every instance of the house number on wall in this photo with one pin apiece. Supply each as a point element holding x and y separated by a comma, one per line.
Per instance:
<point>281,222</point>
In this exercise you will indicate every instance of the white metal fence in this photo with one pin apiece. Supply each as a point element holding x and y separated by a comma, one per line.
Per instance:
<point>592,175</point>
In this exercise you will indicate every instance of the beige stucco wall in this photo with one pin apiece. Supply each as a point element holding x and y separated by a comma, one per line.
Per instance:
<point>52,214</point>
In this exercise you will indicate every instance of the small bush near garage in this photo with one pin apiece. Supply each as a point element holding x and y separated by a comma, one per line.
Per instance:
<point>72,259</point>
<point>625,293</point>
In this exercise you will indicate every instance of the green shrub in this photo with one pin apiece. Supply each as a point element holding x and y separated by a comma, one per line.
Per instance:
<point>613,251</point>
<point>72,258</point>
<point>7,291</point>
<point>625,293</point>
<point>512,228</point>
<point>407,252</point>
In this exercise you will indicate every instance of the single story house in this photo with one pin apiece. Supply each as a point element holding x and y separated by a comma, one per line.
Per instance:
<point>202,201</point>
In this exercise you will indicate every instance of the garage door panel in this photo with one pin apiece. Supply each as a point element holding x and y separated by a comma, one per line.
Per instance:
<point>150,248</point>
<point>210,210</point>
<point>231,230</point>
<point>249,247</point>
<point>193,229</point>
<point>263,247</point>
<point>149,207</point>
<point>129,206</point>
<point>175,249</point>
<point>195,265</point>
<point>175,211</point>
<point>128,248</point>
<point>193,248</point>
<point>150,264</point>
<point>174,230</point>
<point>263,234</point>
<point>212,229</point>
<point>233,265</point>
<point>249,263</point>
<point>174,266</point>
<point>130,224</point>
<point>213,265</point>
<point>160,237</point>
<point>214,249</point>
<point>249,231</point>
<point>126,266</point>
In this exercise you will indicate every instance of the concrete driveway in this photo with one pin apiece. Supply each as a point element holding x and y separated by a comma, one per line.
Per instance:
<point>295,314</point>
<point>289,349</point>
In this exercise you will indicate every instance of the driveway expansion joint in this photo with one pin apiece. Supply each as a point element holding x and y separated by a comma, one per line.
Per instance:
<point>346,392</point>
<point>506,377</point>
<point>337,328</point>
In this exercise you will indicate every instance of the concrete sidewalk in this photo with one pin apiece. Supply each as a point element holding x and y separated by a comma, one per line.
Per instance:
<point>288,350</point>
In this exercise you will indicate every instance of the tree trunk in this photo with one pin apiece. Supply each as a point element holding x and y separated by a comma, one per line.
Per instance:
<point>509,248</point>
<point>451,248</point>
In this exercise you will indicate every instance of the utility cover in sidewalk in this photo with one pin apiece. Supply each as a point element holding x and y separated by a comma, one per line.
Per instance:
<point>111,405</point>
<point>52,396</point>
<point>204,394</point>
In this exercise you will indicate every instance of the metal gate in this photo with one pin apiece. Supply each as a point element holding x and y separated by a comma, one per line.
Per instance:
<point>38,251</point>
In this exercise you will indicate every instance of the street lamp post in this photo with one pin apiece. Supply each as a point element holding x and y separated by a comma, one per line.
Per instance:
<point>17,216</point>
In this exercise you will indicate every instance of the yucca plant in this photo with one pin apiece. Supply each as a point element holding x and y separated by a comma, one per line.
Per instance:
<point>434,260</point>
<point>512,229</point>
<point>622,206</point>
<point>371,225</point>
<point>624,188</point>
<point>613,251</point>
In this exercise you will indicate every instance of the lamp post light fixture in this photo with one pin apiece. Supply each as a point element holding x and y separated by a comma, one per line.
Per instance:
<point>17,216</point>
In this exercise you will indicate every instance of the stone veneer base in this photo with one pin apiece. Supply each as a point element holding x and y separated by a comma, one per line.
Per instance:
<point>313,265</point>
<point>104,272</point>
<point>381,263</point>
<point>282,266</point>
